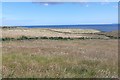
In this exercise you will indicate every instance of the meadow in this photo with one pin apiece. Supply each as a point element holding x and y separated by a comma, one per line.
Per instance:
<point>45,58</point>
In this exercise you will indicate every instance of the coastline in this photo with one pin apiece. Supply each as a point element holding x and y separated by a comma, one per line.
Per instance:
<point>99,27</point>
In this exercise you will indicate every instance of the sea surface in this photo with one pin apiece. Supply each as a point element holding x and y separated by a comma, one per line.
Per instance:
<point>101,27</point>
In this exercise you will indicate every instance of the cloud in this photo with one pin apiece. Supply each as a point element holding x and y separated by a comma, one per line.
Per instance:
<point>104,3</point>
<point>115,6</point>
<point>56,3</point>
<point>46,4</point>
<point>59,0</point>
<point>106,0</point>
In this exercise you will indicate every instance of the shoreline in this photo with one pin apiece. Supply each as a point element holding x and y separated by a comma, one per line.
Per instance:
<point>99,27</point>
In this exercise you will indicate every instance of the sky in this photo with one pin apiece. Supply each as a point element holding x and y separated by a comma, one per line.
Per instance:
<point>60,0</point>
<point>37,13</point>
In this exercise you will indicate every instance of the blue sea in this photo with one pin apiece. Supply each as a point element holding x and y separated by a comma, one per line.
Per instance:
<point>101,27</point>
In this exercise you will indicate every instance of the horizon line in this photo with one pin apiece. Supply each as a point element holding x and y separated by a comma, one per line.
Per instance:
<point>63,24</point>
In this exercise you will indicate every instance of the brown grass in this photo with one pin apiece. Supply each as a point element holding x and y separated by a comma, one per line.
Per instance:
<point>63,59</point>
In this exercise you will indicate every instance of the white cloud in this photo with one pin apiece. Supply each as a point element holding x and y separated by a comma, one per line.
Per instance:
<point>60,0</point>
<point>104,3</point>
<point>46,4</point>
<point>106,0</point>
<point>115,6</point>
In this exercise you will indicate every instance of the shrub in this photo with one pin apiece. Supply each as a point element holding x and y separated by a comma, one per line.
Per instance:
<point>23,38</point>
<point>7,39</point>
<point>60,37</point>
<point>52,38</point>
<point>81,38</point>
<point>44,38</point>
<point>36,38</point>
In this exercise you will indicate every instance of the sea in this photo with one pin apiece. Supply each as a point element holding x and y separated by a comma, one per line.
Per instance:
<point>100,27</point>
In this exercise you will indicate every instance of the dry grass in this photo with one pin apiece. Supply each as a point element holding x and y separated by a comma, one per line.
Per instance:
<point>76,30</point>
<point>37,32</point>
<point>58,58</point>
<point>63,59</point>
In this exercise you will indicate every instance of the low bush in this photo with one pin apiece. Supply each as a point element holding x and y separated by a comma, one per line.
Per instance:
<point>54,38</point>
<point>44,38</point>
<point>23,38</point>
<point>7,39</point>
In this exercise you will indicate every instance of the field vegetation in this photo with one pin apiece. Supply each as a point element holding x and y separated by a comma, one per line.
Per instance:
<point>67,55</point>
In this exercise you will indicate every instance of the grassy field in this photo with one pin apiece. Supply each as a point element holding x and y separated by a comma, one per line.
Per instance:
<point>97,58</point>
<point>41,32</point>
